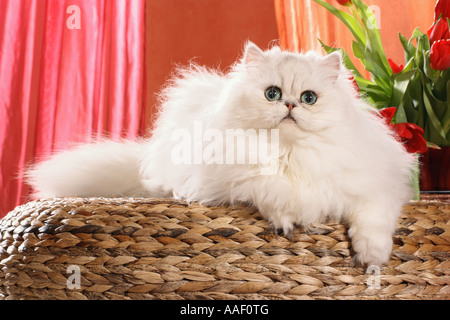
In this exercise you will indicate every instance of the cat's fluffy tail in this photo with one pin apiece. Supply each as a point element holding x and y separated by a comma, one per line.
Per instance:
<point>105,169</point>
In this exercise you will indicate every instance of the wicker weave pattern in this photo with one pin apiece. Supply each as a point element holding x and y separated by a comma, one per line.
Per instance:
<point>165,249</point>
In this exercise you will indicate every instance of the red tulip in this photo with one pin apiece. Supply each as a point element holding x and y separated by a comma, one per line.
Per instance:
<point>388,114</point>
<point>440,55</point>
<point>409,134</point>
<point>439,31</point>
<point>395,68</point>
<point>442,10</point>
<point>355,84</point>
<point>345,2</point>
<point>412,137</point>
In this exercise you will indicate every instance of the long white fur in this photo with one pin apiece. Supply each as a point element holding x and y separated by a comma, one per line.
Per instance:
<point>338,160</point>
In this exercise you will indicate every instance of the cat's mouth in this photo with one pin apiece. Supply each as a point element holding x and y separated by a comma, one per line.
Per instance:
<point>289,118</point>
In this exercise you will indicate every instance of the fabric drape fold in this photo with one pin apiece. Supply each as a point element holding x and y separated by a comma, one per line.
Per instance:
<point>70,71</point>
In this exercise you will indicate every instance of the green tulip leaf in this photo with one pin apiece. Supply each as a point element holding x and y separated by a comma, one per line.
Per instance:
<point>432,115</point>
<point>351,23</point>
<point>401,83</point>
<point>408,47</point>
<point>346,59</point>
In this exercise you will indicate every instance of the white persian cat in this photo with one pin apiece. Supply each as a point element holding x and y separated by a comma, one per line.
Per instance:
<point>335,158</point>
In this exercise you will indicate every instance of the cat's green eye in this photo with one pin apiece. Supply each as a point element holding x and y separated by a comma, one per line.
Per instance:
<point>308,97</point>
<point>273,93</point>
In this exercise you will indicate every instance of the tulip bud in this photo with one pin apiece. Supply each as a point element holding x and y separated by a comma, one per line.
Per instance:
<point>440,55</point>
<point>395,68</point>
<point>439,31</point>
<point>442,10</point>
<point>345,2</point>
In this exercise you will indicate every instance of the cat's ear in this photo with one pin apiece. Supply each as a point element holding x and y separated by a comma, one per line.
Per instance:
<point>252,53</point>
<point>333,63</point>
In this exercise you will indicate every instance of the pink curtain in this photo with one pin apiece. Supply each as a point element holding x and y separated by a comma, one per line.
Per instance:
<point>70,71</point>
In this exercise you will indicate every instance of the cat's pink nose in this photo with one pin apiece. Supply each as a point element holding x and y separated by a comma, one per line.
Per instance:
<point>290,105</point>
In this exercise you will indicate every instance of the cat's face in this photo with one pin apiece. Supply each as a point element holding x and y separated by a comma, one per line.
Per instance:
<point>296,93</point>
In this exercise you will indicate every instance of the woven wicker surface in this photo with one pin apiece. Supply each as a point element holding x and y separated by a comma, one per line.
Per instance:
<point>165,249</point>
<point>444,197</point>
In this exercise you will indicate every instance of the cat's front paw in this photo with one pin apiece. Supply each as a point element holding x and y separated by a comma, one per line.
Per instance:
<point>285,227</point>
<point>372,248</point>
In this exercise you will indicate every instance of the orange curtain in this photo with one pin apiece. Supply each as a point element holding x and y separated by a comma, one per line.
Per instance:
<point>302,22</point>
